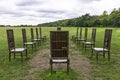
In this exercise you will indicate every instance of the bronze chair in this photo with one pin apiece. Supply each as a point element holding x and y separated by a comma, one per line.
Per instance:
<point>106,45</point>
<point>43,37</point>
<point>59,48</point>
<point>25,43</point>
<point>74,37</point>
<point>37,40</point>
<point>92,42</point>
<point>79,39</point>
<point>11,46</point>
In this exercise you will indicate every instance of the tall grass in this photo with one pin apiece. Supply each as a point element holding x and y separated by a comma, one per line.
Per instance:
<point>102,69</point>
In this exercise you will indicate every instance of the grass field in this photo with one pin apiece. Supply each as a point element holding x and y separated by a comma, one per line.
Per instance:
<point>103,69</point>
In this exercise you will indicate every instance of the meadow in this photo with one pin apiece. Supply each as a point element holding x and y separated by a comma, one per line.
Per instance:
<point>102,70</point>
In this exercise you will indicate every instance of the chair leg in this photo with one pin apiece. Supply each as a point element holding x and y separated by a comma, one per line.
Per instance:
<point>76,41</point>
<point>92,53</point>
<point>109,56</point>
<point>26,54</point>
<point>51,68</point>
<point>43,39</point>
<point>97,56</point>
<point>26,46</point>
<point>9,56</point>
<point>21,56</point>
<point>104,55</point>
<point>68,67</point>
<point>14,55</point>
<point>35,46</point>
<point>40,42</point>
<point>32,47</point>
<point>91,46</point>
<point>85,47</point>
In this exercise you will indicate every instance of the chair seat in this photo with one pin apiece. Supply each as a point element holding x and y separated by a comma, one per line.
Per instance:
<point>42,37</point>
<point>100,49</point>
<point>29,43</point>
<point>75,36</point>
<point>59,60</point>
<point>89,43</point>
<point>18,50</point>
<point>80,39</point>
<point>36,39</point>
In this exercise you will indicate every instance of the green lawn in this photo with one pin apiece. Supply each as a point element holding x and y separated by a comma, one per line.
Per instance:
<point>103,69</point>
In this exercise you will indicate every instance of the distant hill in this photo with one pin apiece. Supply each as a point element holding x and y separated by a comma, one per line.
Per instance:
<point>104,20</point>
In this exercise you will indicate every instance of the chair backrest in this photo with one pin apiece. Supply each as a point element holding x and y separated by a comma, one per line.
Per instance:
<point>107,39</point>
<point>77,31</point>
<point>24,36</point>
<point>80,33</point>
<point>59,43</point>
<point>36,33</point>
<point>85,34</point>
<point>93,36</point>
<point>58,28</point>
<point>10,37</point>
<point>32,34</point>
<point>40,31</point>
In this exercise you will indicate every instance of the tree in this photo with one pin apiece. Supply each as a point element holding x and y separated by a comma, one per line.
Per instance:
<point>105,22</point>
<point>97,22</point>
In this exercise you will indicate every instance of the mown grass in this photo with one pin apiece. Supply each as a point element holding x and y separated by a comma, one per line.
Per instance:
<point>103,69</point>
<point>58,75</point>
<point>14,70</point>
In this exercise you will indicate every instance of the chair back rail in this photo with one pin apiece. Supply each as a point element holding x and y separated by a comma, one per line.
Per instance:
<point>93,36</point>
<point>85,34</point>
<point>40,31</point>
<point>80,36</point>
<point>37,33</point>
<point>10,37</point>
<point>32,34</point>
<point>107,39</point>
<point>77,31</point>
<point>24,36</point>
<point>59,43</point>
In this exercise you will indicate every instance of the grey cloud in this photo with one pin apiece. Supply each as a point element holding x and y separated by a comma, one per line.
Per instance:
<point>4,11</point>
<point>45,15</point>
<point>29,3</point>
<point>51,11</point>
<point>48,16</point>
<point>18,13</point>
<point>12,13</point>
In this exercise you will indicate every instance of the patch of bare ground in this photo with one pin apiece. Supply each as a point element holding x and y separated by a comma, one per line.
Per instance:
<point>79,63</point>
<point>40,62</point>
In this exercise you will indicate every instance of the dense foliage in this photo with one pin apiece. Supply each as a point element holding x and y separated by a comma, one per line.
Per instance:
<point>112,19</point>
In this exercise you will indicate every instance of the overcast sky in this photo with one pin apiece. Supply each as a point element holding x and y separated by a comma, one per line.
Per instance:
<point>17,12</point>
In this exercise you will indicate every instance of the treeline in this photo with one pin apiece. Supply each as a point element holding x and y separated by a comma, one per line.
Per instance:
<point>18,25</point>
<point>87,20</point>
<point>104,20</point>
